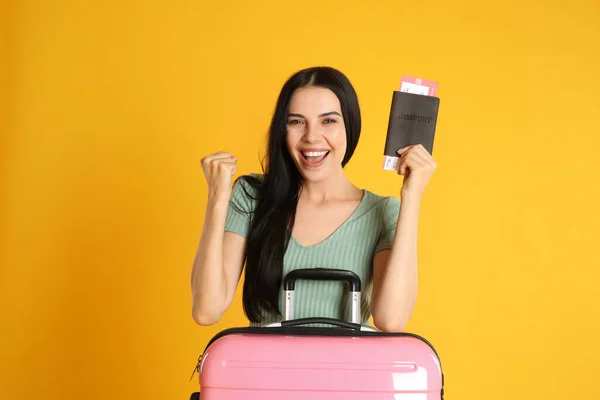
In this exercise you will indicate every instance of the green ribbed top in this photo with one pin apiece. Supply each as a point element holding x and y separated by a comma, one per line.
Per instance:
<point>369,229</point>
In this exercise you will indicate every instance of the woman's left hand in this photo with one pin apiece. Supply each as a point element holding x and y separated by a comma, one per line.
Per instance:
<point>417,166</point>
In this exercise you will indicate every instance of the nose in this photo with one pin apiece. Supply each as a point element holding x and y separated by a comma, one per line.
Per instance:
<point>312,133</point>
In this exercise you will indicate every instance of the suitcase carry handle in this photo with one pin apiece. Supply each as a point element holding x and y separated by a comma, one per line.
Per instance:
<point>324,274</point>
<point>328,321</point>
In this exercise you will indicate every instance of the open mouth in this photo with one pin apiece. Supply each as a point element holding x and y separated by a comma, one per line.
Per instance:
<point>314,158</point>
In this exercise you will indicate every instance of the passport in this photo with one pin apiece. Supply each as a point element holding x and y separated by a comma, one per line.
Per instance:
<point>412,120</point>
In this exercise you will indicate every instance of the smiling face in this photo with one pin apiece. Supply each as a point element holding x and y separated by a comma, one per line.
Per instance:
<point>316,134</point>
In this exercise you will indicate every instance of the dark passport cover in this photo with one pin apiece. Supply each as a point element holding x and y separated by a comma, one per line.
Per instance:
<point>413,118</point>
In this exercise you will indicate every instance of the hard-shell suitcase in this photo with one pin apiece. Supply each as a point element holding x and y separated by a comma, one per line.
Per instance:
<point>292,361</point>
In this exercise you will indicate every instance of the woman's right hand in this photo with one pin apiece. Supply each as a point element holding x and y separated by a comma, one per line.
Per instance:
<point>219,169</point>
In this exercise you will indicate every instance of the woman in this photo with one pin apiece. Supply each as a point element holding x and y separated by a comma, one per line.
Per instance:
<point>303,212</point>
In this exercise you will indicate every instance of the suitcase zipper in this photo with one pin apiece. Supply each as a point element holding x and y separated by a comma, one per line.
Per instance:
<point>197,367</point>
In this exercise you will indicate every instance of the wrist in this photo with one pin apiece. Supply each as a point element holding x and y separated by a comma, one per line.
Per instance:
<point>217,204</point>
<point>216,214</point>
<point>410,197</point>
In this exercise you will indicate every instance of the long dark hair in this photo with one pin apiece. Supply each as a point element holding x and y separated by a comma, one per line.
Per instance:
<point>278,189</point>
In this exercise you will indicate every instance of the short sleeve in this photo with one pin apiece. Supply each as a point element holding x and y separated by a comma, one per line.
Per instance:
<point>241,208</point>
<point>389,221</point>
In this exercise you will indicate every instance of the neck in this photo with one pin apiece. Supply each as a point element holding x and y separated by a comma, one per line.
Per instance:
<point>336,186</point>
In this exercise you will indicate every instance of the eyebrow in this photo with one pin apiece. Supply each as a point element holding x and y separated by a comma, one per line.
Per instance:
<point>322,115</point>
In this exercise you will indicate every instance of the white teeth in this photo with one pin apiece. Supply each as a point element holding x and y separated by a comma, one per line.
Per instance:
<point>314,153</point>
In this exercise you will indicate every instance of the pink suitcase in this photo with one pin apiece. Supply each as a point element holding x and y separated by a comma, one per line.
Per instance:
<point>291,361</point>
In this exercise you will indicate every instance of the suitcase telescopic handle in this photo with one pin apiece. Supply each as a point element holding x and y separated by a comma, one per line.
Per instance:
<point>322,274</point>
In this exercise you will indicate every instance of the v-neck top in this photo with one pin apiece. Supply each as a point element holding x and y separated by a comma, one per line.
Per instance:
<point>369,229</point>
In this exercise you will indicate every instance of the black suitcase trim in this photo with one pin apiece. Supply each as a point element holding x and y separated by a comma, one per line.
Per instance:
<point>315,331</point>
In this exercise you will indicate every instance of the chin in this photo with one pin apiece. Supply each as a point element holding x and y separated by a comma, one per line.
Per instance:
<point>319,174</point>
<point>314,176</point>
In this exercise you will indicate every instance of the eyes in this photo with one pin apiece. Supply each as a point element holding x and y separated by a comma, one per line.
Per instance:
<point>299,121</point>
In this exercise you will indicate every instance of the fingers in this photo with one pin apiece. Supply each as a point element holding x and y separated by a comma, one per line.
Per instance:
<point>419,151</point>
<point>405,149</point>
<point>415,157</point>
<point>222,155</point>
<point>219,164</point>
<point>230,166</point>
<point>410,161</point>
<point>215,159</point>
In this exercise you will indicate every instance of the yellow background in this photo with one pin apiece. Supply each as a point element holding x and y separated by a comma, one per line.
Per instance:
<point>108,106</point>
